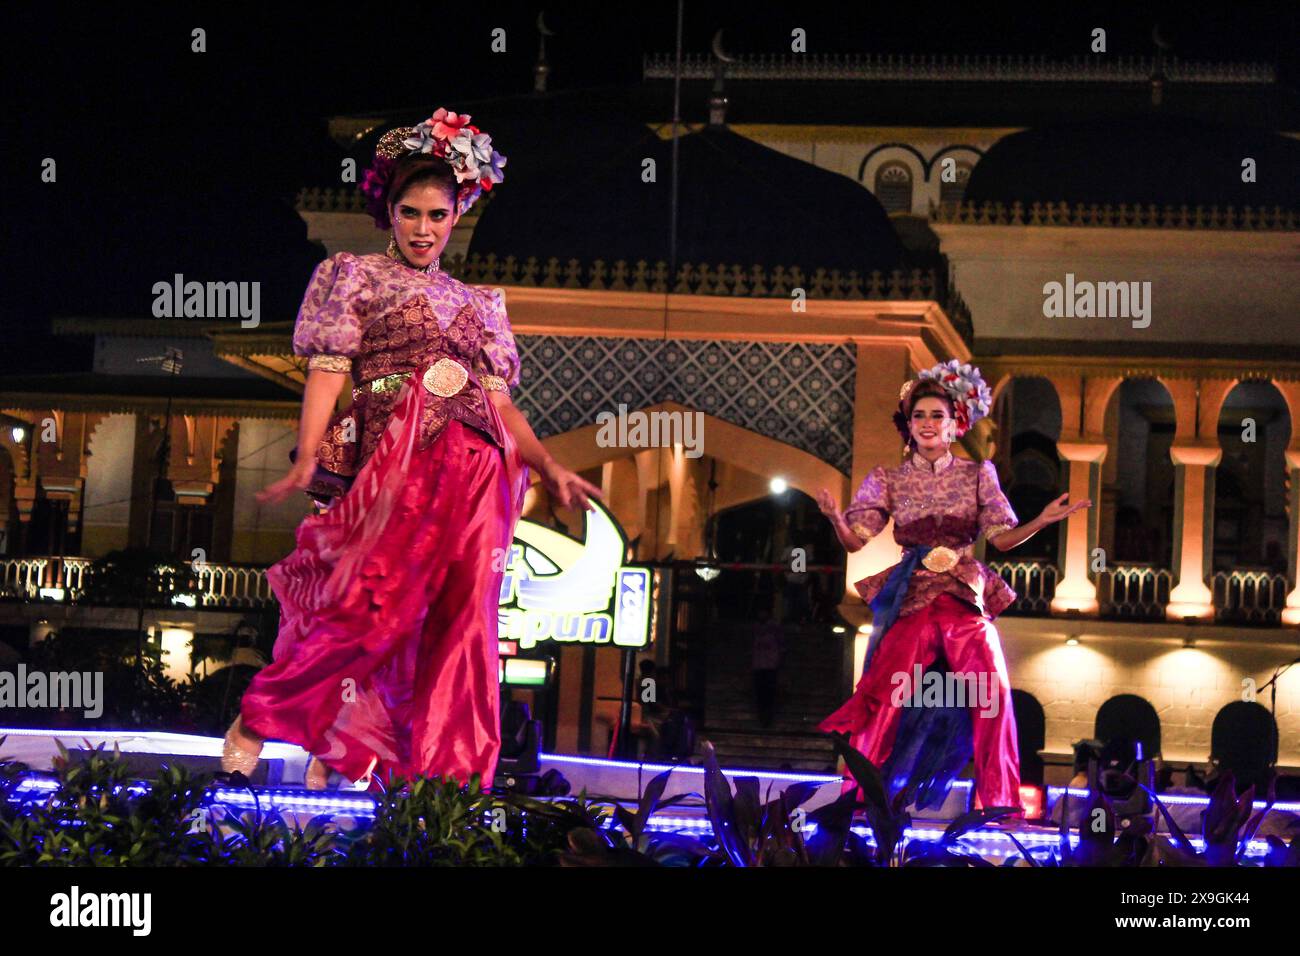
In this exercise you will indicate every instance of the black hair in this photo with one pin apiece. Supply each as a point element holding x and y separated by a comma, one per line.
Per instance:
<point>412,171</point>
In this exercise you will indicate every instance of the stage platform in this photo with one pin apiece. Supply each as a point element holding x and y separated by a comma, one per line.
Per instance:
<point>278,785</point>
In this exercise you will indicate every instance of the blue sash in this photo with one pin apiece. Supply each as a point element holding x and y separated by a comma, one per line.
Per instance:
<point>933,744</point>
<point>889,599</point>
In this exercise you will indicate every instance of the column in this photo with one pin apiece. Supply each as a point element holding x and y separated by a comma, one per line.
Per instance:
<point>1076,593</point>
<point>623,496</point>
<point>1291,392</point>
<point>1193,531</point>
<point>686,522</point>
<point>1291,613</point>
<point>881,372</point>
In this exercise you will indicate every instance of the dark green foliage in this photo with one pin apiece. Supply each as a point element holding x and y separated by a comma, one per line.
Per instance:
<point>100,816</point>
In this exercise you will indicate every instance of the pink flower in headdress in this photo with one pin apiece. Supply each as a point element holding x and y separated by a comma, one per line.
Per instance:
<point>447,125</point>
<point>961,417</point>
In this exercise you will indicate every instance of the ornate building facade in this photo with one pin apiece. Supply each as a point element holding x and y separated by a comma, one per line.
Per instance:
<point>843,232</point>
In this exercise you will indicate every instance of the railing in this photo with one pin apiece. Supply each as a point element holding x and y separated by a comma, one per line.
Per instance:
<point>65,580</point>
<point>1134,591</point>
<point>229,585</point>
<point>1124,591</point>
<point>24,578</point>
<point>692,278</point>
<point>1119,215</point>
<point>1033,581</point>
<point>1139,591</point>
<point>1249,597</point>
<point>1012,68</point>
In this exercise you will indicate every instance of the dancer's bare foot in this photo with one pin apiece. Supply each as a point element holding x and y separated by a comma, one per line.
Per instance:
<point>241,749</point>
<point>317,775</point>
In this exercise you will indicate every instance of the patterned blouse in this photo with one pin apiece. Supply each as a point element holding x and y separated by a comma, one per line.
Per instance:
<point>945,505</point>
<point>381,320</point>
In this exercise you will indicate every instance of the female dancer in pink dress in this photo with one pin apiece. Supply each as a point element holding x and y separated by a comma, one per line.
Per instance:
<point>386,658</point>
<point>938,599</point>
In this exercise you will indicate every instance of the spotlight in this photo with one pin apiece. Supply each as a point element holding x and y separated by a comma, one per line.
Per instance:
<point>777,485</point>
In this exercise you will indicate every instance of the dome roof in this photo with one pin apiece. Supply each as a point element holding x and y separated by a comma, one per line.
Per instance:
<point>575,190</point>
<point>1165,160</point>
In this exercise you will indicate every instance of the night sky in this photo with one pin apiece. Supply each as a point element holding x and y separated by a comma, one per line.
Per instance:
<point>172,161</point>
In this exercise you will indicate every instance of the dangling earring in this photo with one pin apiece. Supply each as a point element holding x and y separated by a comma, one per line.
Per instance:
<point>392,251</point>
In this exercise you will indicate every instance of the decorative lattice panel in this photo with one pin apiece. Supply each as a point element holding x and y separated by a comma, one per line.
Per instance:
<point>798,394</point>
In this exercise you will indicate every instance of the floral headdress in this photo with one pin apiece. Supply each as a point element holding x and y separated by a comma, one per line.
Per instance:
<point>444,135</point>
<point>971,398</point>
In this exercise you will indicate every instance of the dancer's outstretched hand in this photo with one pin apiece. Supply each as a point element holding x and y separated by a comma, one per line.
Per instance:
<point>827,503</point>
<point>298,478</point>
<point>567,488</point>
<point>1058,509</point>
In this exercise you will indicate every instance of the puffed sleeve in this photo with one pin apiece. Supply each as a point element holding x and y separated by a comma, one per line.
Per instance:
<point>995,513</point>
<point>497,363</point>
<point>333,314</point>
<point>868,512</point>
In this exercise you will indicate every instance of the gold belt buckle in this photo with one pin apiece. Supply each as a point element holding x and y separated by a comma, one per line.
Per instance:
<point>445,377</point>
<point>940,559</point>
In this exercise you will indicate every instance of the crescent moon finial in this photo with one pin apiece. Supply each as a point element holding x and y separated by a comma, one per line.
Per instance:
<point>541,25</point>
<point>1157,39</point>
<point>720,53</point>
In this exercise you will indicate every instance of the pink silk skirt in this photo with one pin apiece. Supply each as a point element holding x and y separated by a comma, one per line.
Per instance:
<point>386,657</point>
<point>970,644</point>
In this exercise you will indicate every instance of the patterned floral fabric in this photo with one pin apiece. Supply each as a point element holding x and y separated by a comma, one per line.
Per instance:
<point>948,504</point>
<point>382,317</point>
<point>347,292</point>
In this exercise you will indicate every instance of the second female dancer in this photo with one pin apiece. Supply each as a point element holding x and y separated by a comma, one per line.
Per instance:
<point>939,600</point>
<point>386,658</point>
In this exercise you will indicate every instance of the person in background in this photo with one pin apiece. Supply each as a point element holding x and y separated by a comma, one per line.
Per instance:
<point>765,662</point>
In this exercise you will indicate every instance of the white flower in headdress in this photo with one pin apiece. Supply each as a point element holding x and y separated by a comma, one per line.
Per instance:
<point>422,140</point>
<point>461,155</point>
<point>482,149</point>
<point>492,171</point>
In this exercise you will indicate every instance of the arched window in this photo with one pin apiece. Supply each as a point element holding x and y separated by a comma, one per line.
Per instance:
<point>951,193</point>
<point>894,187</point>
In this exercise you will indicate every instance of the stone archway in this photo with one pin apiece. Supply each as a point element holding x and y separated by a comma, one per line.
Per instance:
<point>633,475</point>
